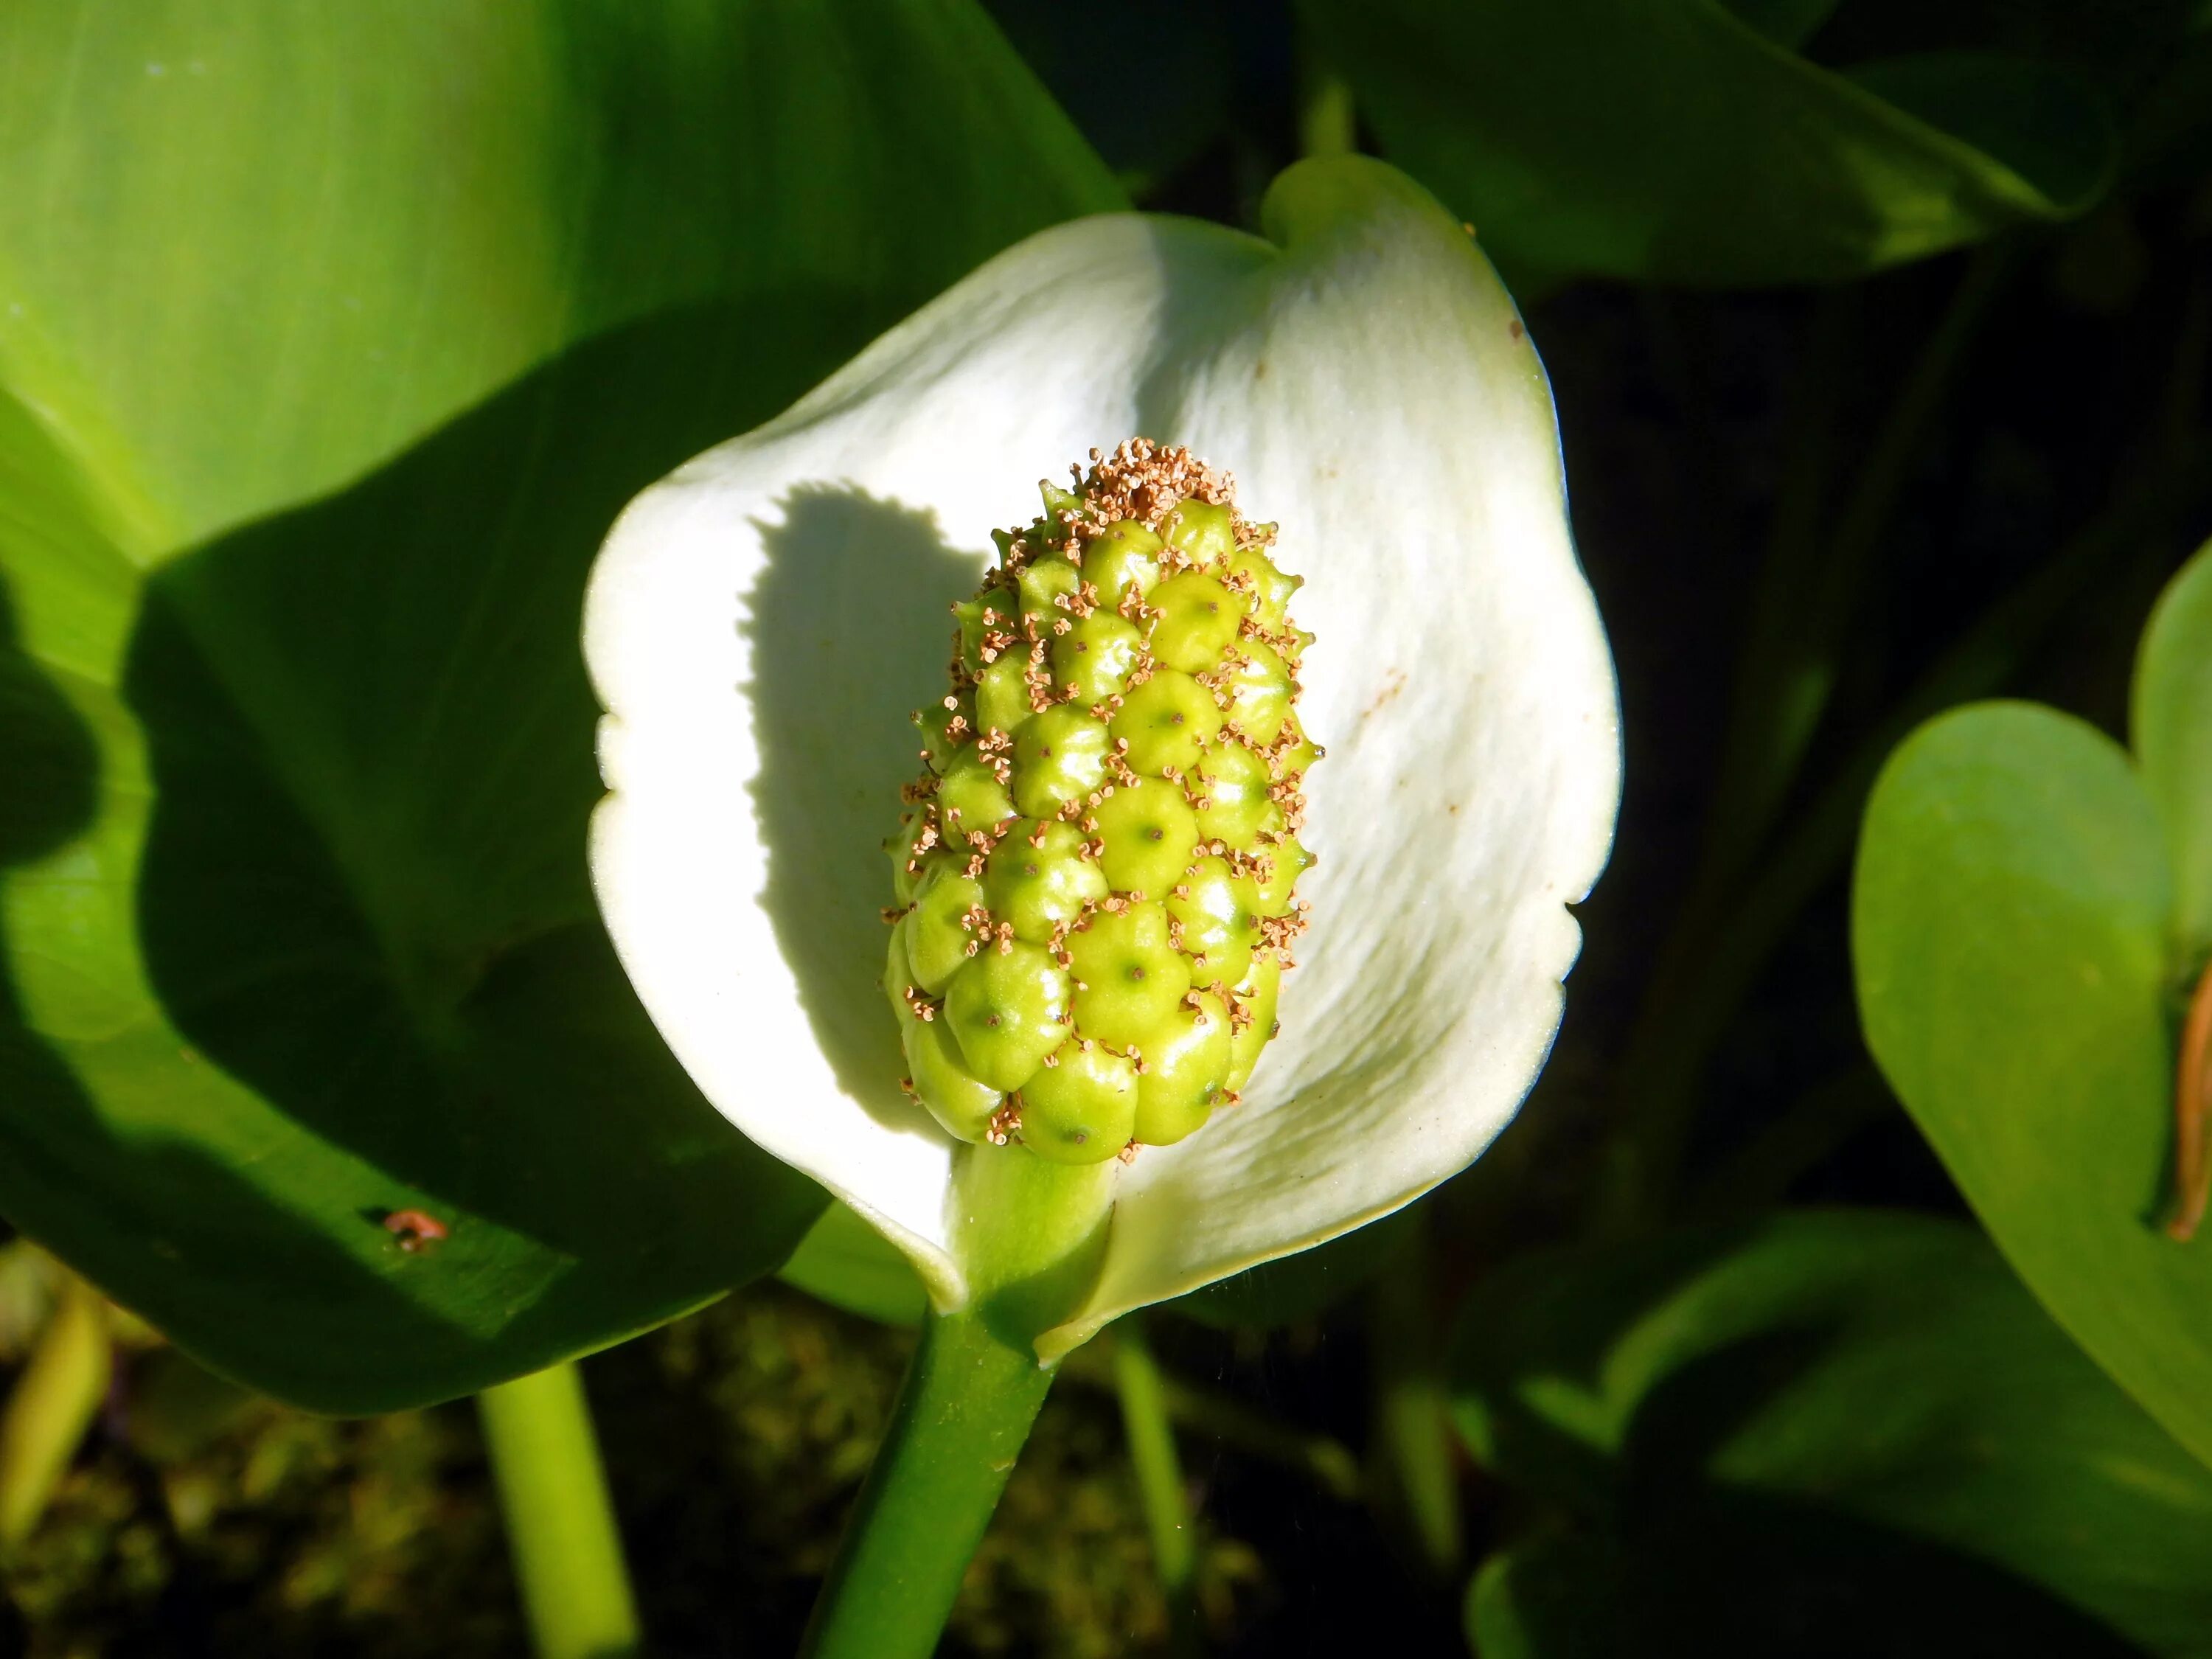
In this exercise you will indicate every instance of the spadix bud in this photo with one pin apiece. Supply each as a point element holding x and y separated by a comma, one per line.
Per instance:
<point>1097,867</point>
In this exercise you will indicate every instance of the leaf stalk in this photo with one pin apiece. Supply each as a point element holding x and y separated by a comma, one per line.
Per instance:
<point>560,1521</point>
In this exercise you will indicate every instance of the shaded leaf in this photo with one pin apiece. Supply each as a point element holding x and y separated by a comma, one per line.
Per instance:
<point>1786,22</point>
<point>1772,1439</point>
<point>1148,111</point>
<point>2038,120</point>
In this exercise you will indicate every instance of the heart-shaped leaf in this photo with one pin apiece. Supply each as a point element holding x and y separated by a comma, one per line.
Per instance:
<point>1676,139</point>
<point>331,338</point>
<point>2025,918</point>
<point>1772,1439</point>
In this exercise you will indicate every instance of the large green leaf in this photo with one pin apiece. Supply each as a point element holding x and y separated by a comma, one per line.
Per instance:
<point>1673,139</point>
<point>331,338</point>
<point>1843,1432</point>
<point>2019,976</point>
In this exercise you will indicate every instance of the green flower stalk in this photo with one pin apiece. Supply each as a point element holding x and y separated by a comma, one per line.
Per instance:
<point>1096,876</point>
<point>1103,869</point>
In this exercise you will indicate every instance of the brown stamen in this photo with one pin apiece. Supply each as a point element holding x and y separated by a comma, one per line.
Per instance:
<point>2192,1098</point>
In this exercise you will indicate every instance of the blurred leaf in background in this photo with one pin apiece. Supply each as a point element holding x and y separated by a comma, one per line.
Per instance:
<point>330,341</point>
<point>1829,1432</point>
<point>29,1280</point>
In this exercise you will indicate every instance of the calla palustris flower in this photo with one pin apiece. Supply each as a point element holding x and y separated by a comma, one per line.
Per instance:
<point>762,623</point>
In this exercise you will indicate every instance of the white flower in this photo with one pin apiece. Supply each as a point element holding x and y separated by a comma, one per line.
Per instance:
<point>762,624</point>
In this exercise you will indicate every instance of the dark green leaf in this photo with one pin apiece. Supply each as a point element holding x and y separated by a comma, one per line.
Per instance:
<point>1772,1439</point>
<point>2039,121</point>
<point>1148,108</point>
<point>331,338</point>
<point>1786,22</point>
<point>2018,971</point>
<point>2169,131</point>
<point>1671,139</point>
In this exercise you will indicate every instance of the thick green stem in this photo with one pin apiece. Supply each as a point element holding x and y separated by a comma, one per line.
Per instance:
<point>1159,1477</point>
<point>54,1402</point>
<point>1029,1235</point>
<point>961,1416</point>
<point>560,1522</point>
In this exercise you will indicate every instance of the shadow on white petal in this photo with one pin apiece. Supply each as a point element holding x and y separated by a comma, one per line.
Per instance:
<point>848,633</point>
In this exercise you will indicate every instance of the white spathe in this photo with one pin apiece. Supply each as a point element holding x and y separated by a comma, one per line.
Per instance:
<point>762,623</point>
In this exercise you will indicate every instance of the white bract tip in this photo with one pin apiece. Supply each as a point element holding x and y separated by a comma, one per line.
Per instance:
<point>763,622</point>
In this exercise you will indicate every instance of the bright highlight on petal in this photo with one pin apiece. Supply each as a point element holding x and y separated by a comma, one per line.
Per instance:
<point>762,623</point>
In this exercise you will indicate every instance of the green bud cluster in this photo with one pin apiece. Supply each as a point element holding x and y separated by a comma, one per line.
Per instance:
<point>1094,874</point>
